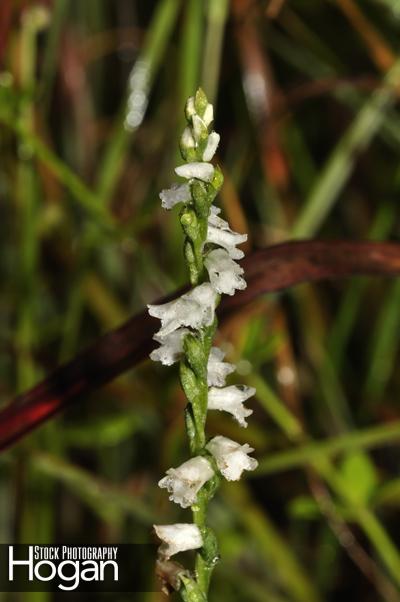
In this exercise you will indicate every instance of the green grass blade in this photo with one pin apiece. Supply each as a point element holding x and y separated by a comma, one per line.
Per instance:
<point>277,554</point>
<point>339,166</point>
<point>141,81</point>
<point>109,502</point>
<point>385,344</point>
<point>303,455</point>
<point>217,15</point>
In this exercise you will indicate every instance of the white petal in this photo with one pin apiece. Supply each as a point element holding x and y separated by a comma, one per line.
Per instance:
<point>217,370</point>
<point>189,109</point>
<point>215,220</point>
<point>178,193</point>
<point>184,482</point>
<point>195,309</point>
<point>199,127</point>
<point>219,233</point>
<point>201,171</point>
<point>211,147</point>
<point>231,399</point>
<point>187,140</point>
<point>208,114</point>
<point>178,538</point>
<point>171,347</point>
<point>214,211</point>
<point>231,457</point>
<point>225,273</point>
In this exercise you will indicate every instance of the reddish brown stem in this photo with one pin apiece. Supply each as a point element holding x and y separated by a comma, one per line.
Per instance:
<point>6,9</point>
<point>267,270</point>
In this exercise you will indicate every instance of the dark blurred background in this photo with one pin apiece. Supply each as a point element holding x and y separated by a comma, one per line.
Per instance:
<point>91,109</point>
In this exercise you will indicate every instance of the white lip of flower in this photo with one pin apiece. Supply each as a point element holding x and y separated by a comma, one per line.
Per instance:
<point>217,370</point>
<point>211,146</point>
<point>178,193</point>
<point>198,170</point>
<point>185,482</point>
<point>230,399</point>
<point>219,233</point>
<point>171,347</point>
<point>194,309</point>
<point>231,457</point>
<point>225,273</point>
<point>178,538</point>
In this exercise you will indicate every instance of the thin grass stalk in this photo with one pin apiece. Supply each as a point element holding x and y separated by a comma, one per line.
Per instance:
<point>141,82</point>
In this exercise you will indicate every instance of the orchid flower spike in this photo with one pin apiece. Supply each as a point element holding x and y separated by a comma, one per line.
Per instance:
<point>184,482</point>
<point>178,538</point>
<point>231,457</point>
<point>187,328</point>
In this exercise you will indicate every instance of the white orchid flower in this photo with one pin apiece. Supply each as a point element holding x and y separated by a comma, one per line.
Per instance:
<point>217,370</point>
<point>225,274</point>
<point>178,193</point>
<point>197,169</point>
<point>171,347</point>
<point>178,538</point>
<point>231,457</point>
<point>208,116</point>
<point>231,399</point>
<point>219,233</point>
<point>211,146</point>
<point>184,482</point>
<point>193,309</point>
<point>187,139</point>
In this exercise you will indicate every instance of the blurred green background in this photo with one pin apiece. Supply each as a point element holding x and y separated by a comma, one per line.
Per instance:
<point>91,109</point>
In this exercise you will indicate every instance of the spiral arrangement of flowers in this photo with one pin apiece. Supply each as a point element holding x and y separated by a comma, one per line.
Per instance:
<point>188,325</point>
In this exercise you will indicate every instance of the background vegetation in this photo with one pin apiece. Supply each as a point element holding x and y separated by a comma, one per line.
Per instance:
<point>91,107</point>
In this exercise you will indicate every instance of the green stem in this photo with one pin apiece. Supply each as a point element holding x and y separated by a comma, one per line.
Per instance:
<point>203,572</point>
<point>194,382</point>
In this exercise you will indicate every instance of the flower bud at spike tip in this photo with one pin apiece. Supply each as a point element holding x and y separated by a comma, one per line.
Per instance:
<point>200,102</point>
<point>218,179</point>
